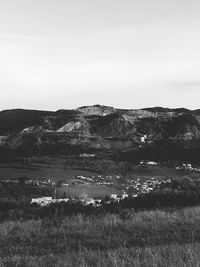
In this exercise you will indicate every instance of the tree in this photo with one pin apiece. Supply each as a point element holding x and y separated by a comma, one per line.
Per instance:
<point>22,180</point>
<point>64,195</point>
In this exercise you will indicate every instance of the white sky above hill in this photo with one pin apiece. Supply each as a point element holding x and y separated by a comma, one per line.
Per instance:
<point>124,53</point>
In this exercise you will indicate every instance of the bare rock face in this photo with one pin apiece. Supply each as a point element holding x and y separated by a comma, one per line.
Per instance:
<point>81,127</point>
<point>70,127</point>
<point>96,110</point>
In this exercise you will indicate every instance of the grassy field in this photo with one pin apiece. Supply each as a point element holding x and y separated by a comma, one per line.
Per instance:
<point>152,171</point>
<point>93,191</point>
<point>52,172</point>
<point>149,238</point>
<point>56,171</point>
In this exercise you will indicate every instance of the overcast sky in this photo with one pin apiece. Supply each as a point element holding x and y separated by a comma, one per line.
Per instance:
<point>124,53</point>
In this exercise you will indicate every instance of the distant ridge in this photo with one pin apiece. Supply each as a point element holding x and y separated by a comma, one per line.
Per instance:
<point>15,120</point>
<point>102,129</point>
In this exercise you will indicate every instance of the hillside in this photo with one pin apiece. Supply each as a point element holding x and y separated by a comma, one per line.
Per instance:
<point>148,238</point>
<point>101,128</point>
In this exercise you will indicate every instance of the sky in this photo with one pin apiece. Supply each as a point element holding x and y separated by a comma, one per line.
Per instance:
<point>60,54</point>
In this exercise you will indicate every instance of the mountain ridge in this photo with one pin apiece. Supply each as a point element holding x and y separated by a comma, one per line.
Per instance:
<point>98,128</point>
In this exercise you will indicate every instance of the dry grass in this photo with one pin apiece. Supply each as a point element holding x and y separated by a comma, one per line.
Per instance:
<point>157,256</point>
<point>151,238</point>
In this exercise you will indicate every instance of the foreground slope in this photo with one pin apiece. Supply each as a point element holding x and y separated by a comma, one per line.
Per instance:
<point>149,238</point>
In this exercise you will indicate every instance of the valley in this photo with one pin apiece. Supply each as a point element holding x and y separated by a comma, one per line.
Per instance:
<point>100,180</point>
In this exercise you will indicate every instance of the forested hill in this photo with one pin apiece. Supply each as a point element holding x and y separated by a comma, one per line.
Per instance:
<point>101,128</point>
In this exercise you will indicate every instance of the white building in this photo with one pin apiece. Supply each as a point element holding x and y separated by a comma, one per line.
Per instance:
<point>143,138</point>
<point>85,155</point>
<point>152,163</point>
<point>42,201</point>
<point>124,195</point>
<point>113,196</point>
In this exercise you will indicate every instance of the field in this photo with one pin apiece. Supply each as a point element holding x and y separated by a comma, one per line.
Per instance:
<point>57,171</point>
<point>93,191</point>
<point>149,238</point>
<point>52,172</point>
<point>152,171</point>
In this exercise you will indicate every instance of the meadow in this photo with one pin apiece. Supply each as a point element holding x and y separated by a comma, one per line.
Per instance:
<point>147,238</point>
<point>91,190</point>
<point>60,171</point>
<point>51,172</point>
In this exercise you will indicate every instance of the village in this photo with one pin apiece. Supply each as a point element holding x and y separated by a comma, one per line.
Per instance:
<point>120,187</point>
<point>188,167</point>
<point>128,188</point>
<point>115,187</point>
<point>125,186</point>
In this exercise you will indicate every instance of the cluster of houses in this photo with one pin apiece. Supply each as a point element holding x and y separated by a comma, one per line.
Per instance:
<point>149,163</point>
<point>138,186</point>
<point>115,197</point>
<point>45,201</point>
<point>32,182</point>
<point>41,183</point>
<point>133,187</point>
<point>99,180</point>
<point>187,166</point>
<point>129,187</point>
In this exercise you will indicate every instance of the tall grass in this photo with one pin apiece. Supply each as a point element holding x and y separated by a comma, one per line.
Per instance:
<point>150,238</point>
